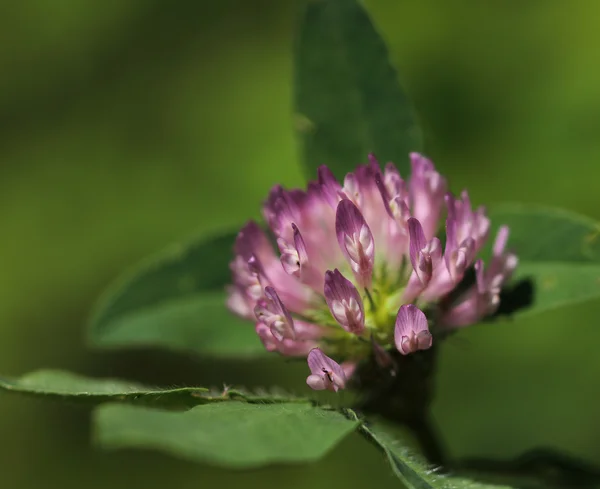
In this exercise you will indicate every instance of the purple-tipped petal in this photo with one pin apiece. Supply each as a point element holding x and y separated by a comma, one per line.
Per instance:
<point>285,346</point>
<point>417,241</point>
<point>410,318</point>
<point>410,333</point>
<point>279,210</point>
<point>394,195</point>
<point>329,185</point>
<point>424,256</point>
<point>461,259</point>
<point>457,257</point>
<point>451,241</point>
<point>480,277</point>
<point>283,325</point>
<point>466,200</point>
<point>344,302</point>
<point>300,245</point>
<point>256,269</point>
<point>252,241</point>
<point>427,191</point>
<point>294,257</point>
<point>355,240</point>
<point>483,298</point>
<point>316,382</point>
<point>290,261</point>
<point>266,337</point>
<point>400,210</point>
<point>450,206</point>
<point>351,189</point>
<point>503,263</point>
<point>501,240</point>
<point>469,224</point>
<point>256,266</point>
<point>394,183</point>
<point>510,263</point>
<point>326,176</point>
<point>239,302</point>
<point>424,340</point>
<point>325,372</point>
<point>273,313</point>
<point>386,196</point>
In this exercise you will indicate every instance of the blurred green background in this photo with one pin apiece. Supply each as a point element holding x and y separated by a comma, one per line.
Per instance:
<point>125,125</point>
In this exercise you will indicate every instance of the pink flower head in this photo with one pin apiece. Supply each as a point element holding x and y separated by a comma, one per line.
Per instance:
<point>325,373</point>
<point>356,263</point>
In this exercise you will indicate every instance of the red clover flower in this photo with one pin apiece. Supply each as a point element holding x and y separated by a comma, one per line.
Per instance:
<point>360,269</point>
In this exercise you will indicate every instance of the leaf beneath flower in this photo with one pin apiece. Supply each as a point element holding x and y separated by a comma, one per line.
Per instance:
<point>176,300</point>
<point>233,435</point>
<point>559,256</point>
<point>412,470</point>
<point>67,386</point>
<point>347,96</point>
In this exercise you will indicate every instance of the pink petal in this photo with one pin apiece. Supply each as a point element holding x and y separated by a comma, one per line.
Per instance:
<point>355,240</point>
<point>316,382</point>
<point>286,329</point>
<point>410,319</point>
<point>427,191</point>
<point>501,240</point>
<point>329,185</point>
<point>424,340</point>
<point>329,370</point>
<point>411,325</point>
<point>417,240</point>
<point>480,277</point>
<point>344,302</point>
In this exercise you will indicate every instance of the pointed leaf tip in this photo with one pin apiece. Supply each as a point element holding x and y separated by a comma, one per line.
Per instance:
<point>354,102</point>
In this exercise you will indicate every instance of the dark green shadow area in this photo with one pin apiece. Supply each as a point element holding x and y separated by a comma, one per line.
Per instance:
<point>126,126</point>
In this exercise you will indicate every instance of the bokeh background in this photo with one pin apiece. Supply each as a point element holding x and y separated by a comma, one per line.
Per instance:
<point>128,124</point>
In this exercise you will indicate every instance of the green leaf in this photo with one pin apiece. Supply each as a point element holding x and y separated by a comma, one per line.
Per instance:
<point>413,471</point>
<point>200,324</point>
<point>347,97</point>
<point>176,300</point>
<point>235,434</point>
<point>558,251</point>
<point>66,386</point>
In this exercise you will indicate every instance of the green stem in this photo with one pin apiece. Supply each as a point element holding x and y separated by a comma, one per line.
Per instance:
<point>371,301</point>
<point>428,438</point>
